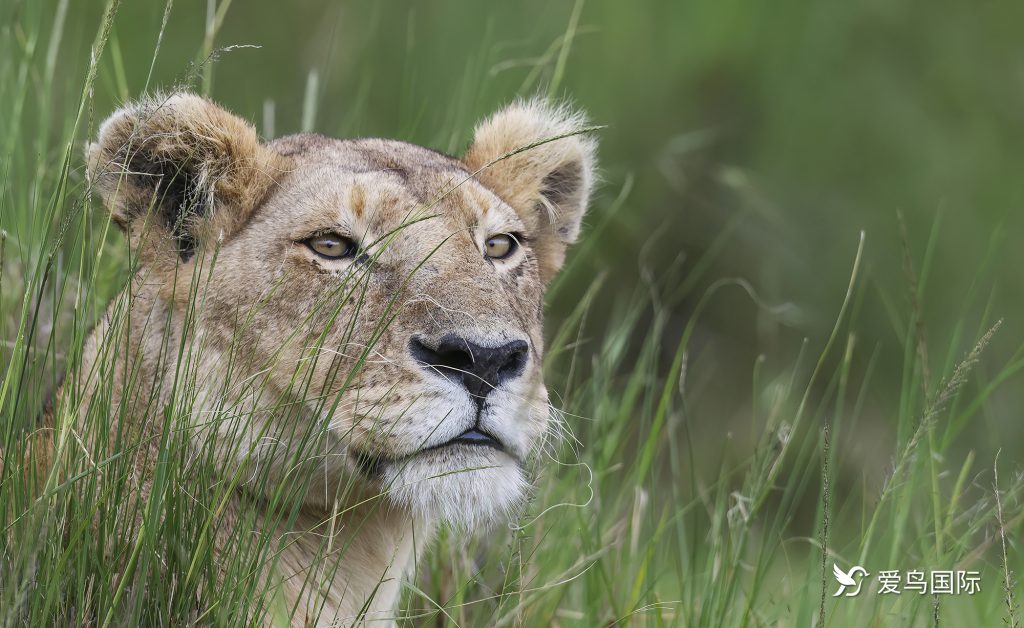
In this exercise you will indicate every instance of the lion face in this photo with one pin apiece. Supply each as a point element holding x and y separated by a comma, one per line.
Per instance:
<point>391,295</point>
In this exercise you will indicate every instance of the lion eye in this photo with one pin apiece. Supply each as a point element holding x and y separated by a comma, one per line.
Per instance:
<point>332,245</point>
<point>500,246</point>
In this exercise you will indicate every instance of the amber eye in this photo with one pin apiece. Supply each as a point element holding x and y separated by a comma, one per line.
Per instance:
<point>332,245</point>
<point>500,246</point>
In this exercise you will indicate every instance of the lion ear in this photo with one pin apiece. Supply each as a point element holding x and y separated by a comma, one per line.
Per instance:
<point>177,172</point>
<point>546,180</point>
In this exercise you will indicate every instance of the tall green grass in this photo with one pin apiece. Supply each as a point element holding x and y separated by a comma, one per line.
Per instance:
<point>648,511</point>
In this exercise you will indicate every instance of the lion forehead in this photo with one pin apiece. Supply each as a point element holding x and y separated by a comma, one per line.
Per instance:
<point>375,187</point>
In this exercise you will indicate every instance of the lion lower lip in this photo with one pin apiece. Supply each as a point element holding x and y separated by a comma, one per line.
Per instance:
<point>476,437</point>
<point>373,465</point>
<point>473,437</point>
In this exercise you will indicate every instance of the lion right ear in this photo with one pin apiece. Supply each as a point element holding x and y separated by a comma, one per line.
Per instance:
<point>538,158</point>
<point>179,172</point>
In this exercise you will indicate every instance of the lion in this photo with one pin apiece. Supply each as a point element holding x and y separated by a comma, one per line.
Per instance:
<point>365,314</point>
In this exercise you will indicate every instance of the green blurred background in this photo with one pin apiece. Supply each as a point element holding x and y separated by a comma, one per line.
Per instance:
<point>744,139</point>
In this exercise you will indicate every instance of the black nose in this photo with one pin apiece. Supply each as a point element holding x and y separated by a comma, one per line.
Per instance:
<point>480,369</point>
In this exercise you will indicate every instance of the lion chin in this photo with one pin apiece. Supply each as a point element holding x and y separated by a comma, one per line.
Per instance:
<point>466,487</point>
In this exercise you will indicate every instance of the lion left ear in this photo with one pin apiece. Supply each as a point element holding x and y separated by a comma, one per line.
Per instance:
<point>178,172</point>
<point>546,180</point>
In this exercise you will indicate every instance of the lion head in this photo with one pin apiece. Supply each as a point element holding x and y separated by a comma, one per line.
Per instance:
<point>368,308</point>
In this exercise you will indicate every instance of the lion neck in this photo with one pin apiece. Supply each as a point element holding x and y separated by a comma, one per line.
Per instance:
<point>343,568</point>
<point>346,552</point>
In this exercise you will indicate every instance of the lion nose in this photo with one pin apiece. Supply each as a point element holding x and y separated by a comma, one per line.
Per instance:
<point>478,368</point>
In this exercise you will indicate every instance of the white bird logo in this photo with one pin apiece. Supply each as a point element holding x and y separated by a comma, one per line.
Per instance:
<point>845,579</point>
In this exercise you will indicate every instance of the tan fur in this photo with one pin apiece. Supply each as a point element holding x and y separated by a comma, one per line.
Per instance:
<point>208,205</point>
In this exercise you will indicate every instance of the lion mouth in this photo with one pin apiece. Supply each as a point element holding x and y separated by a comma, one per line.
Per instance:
<point>474,437</point>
